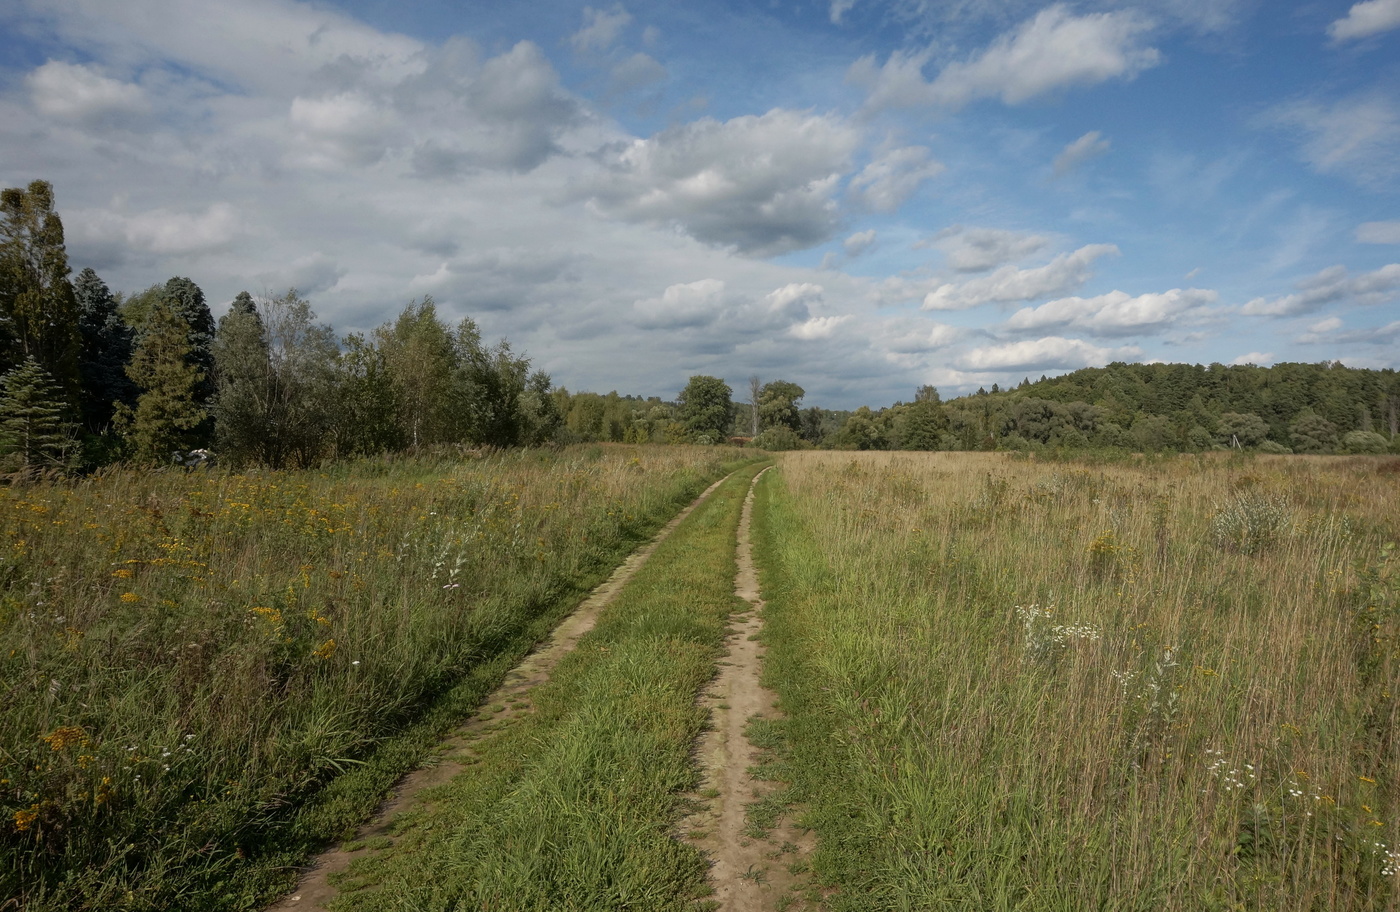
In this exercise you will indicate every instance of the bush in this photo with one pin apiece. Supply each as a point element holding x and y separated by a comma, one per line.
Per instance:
<point>1364,442</point>
<point>780,437</point>
<point>1251,523</point>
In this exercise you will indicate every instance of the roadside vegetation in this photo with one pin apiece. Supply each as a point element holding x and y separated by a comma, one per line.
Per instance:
<point>1151,684</point>
<point>573,804</point>
<point>204,675</point>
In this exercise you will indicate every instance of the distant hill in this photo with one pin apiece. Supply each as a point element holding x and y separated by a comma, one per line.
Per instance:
<point>1324,407</point>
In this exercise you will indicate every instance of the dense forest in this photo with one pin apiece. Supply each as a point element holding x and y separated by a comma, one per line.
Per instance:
<point>89,377</point>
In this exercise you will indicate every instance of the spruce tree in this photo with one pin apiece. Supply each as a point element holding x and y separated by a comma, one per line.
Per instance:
<point>106,351</point>
<point>168,417</point>
<point>32,421</point>
<point>244,384</point>
<point>186,300</point>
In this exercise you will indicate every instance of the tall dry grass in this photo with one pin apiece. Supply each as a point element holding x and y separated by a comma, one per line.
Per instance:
<point>1161,684</point>
<point>204,674</point>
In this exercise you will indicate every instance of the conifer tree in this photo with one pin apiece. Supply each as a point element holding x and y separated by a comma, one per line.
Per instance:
<point>244,383</point>
<point>106,350</point>
<point>32,419</point>
<point>186,300</point>
<point>168,416</point>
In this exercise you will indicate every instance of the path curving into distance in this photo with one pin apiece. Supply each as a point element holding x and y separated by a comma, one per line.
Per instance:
<point>314,890</point>
<point>750,872</point>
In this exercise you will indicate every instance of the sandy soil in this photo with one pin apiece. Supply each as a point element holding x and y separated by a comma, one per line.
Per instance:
<point>314,890</point>
<point>748,874</point>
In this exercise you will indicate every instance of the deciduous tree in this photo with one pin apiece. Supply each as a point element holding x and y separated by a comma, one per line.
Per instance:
<point>706,408</point>
<point>777,405</point>
<point>38,311</point>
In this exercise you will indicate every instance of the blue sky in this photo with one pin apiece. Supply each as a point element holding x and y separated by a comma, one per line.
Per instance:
<point>857,196</point>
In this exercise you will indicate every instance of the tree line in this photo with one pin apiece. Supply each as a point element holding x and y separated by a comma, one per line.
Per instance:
<point>1286,408</point>
<point>89,377</point>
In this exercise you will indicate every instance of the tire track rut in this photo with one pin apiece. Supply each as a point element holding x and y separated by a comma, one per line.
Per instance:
<point>749,872</point>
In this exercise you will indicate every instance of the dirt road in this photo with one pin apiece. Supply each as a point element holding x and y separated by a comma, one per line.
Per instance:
<point>314,889</point>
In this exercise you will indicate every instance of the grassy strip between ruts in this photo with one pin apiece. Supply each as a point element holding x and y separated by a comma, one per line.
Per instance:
<point>573,805</point>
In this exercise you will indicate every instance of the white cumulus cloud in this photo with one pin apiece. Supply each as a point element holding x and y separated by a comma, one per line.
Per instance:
<point>159,231</point>
<point>980,249</point>
<point>819,327</point>
<point>1116,313</point>
<point>1009,283</point>
<point>348,127</point>
<point>1052,51</point>
<point>74,92</point>
<point>1366,19</point>
<point>1331,285</point>
<point>1049,353</point>
<point>685,305</point>
<point>1258,358</point>
<point>761,184</point>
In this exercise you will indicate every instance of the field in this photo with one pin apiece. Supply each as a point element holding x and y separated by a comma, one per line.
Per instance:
<point>206,675</point>
<point>1149,683</point>
<point>1167,684</point>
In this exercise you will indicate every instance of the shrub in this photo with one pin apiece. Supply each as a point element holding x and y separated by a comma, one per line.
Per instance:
<point>1250,523</point>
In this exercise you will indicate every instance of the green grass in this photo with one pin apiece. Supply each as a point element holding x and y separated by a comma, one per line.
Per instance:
<point>206,676</point>
<point>573,806</point>
<point>1206,719</point>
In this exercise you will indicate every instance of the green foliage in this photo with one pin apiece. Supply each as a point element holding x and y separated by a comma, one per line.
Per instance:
<point>778,438</point>
<point>1155,407</point>
<point>38,311</point>
<point>364,412</point>
<point>1364,442</point>
<point>167,417</point>
<point>1311,433</point>
<point>107,343</point>
<point>276,380</point>
<point>186,300</point>
<point>35,433</point>
<point>706,408</point>
<point>777,405</point>
<point>420,360</point>
<point>864,430</point>
<point>244,387</point>
<point>1249,430</point>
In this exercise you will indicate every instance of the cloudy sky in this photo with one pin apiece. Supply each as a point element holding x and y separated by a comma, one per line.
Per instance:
<point>859,196</point>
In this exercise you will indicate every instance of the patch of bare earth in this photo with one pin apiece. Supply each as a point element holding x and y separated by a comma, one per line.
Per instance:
<point>749,872</point>
<point>314,890</point>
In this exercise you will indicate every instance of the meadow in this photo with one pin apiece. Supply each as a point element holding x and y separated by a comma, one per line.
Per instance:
<point>206,675</point>
<point>1156,683</point>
